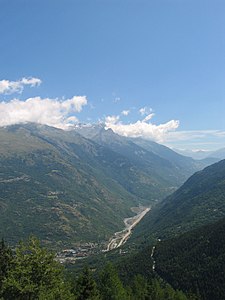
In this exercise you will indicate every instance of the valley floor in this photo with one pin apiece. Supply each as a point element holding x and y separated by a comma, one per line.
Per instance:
<point>120,237</point>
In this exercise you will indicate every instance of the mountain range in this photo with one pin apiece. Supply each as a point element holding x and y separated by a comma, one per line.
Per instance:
<point>202,154</point>
<point>69,187</point>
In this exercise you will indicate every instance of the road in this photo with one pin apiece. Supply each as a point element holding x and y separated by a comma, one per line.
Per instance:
<point>121,237</point>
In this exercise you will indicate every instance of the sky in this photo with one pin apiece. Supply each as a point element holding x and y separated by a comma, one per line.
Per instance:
<point>150,68</point>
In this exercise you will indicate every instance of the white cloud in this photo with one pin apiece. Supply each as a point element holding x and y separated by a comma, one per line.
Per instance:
<point>9,87</point>
<point>145,110</point>
<point>148,117</point>
<point>52,112</point>
<point>141,128</point>
<point>167,134</point>
<point>111,119</point>
<point>125,112</point>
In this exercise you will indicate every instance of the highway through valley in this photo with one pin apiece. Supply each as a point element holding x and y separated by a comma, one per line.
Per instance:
<point>119,238</point>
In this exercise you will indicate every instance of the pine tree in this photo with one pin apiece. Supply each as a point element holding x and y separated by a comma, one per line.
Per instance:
<point>86,287</point>
<point>5,262</point>
<point>111,288</point>
<point>34,275</point>
<point>139,288</point>
<point>155,291</point>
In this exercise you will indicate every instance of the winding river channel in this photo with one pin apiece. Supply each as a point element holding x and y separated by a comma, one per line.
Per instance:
<point>119,238</point>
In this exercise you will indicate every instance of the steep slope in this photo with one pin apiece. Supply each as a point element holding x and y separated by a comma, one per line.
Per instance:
<point>199,201</point>
<point>54,184</point>
<point>156,160</point>
<point>184,164</point>
<point>195,261</point>
<point>158,168</point>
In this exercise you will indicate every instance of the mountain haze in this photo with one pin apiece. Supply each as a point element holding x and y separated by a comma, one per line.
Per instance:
<point>220,153</point>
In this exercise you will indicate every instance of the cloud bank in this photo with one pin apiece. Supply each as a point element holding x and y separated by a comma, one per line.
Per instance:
<point>206,140</point>
<point>52,112</point>
<point>141,128</point>
<point>10,87</point>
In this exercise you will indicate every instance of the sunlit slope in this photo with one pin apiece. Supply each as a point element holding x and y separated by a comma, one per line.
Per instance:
<point>65,188</point>
<point>54,184</point>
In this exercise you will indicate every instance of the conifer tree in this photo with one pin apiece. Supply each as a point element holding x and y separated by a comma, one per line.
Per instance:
<point>111,288</point>
<point>86,287</point>
<point>34,275</point>
<point>5,262</point>
<point>139,288</point>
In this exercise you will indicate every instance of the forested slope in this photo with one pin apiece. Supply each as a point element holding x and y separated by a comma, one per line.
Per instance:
<point>200,200</point>
<point>195,261</point>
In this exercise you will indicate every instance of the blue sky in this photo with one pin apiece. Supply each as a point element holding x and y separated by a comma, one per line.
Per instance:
<point>167,56</point>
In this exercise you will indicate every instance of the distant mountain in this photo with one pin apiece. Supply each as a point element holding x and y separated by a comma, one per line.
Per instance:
<point>154,165</point>
<point>157,176</point>
<point>155,159</point>
<point>89,131</point>
<point>199,201</point>
<point>195,261</point>
<point>203,155</point>
<point>220,154</point>
<point>182,162</point>
<point>196,154</point>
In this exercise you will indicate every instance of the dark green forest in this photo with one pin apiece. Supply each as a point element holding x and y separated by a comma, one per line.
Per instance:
<point>195,261</point>
<point>31,272</point>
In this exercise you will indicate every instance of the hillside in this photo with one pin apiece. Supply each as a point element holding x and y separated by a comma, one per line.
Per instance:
<point>55,185</point>
<point>184,165</point>
<point>200,200</point>
<point>51,187</point>
<point>65,188</point>
<point>158,161</point>
<point>195,261</point>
